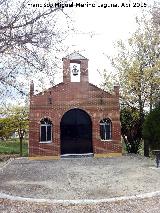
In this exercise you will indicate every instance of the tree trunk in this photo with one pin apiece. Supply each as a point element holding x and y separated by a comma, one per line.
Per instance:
<point>151,96</point>
<point>146,148</point>
<point>141,108</point>
<point>21,147</point>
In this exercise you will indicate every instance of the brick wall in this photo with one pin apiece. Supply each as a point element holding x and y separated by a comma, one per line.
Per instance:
<point>68,95</point>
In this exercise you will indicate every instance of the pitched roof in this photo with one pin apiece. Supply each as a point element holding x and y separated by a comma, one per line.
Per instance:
<point>75,56</point>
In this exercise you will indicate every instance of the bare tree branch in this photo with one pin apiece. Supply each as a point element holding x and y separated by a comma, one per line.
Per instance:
<point>28,39</point>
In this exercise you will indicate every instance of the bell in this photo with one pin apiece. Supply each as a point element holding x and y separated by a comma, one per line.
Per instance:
<point>75,70</point>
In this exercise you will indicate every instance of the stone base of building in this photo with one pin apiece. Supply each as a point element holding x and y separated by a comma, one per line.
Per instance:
<point>44,158</point>
<point>106,155</point>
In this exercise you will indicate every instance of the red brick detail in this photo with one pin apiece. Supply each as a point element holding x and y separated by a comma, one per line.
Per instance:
<point>68,95</point>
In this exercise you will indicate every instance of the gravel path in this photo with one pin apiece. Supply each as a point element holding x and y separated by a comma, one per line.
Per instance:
<point>4,163</point>
<point>84,178</point>
<point>149,205</point>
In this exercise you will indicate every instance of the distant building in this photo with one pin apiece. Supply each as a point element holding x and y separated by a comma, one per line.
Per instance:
<point>74,117</point>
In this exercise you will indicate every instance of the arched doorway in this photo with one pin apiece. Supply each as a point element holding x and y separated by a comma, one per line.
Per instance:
<point>76,132</point>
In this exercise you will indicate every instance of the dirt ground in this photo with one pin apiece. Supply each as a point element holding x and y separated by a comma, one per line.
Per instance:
<point>80,178</point>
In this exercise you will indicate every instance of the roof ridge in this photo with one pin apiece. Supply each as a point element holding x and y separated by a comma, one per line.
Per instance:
<point>75,55</point>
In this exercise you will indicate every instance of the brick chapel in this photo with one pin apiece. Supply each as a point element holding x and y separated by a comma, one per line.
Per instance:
<point>74,117</point>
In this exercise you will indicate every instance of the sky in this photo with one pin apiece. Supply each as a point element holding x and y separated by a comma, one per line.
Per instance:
<point>98,28</point>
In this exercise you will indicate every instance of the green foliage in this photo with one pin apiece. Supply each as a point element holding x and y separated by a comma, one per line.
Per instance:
<point>130,129</point>
<point>138,65</point>
<point>5,130</point>
<point>151,129</point>
<point>14,119</point>
<point>138,68</point>
<point>12,147</point>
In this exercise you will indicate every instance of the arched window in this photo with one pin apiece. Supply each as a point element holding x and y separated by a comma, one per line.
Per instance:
<point>45,130</point>
<point>105,129</point>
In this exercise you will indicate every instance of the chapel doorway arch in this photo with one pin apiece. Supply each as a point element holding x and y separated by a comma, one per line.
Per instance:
<point>76,132</point>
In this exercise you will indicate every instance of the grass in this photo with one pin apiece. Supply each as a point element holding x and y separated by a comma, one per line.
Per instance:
<point>12,146</point>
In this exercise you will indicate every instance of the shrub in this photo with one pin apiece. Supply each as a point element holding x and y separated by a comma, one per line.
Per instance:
<point>151,129</point>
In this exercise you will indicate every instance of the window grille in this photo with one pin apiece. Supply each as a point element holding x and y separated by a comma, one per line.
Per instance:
<point>105,129</point>
<point>45,130</point>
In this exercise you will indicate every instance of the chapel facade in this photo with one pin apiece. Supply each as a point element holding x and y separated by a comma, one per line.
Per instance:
<point>74,117</point>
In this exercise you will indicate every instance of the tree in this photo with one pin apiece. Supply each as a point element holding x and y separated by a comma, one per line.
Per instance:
<point>30,40</point>
<point>5,130</point>
<point>138,69</point>
<point>156,16</point>
<point>130,130</point>
<point>151,129</point>
<point>15,120</point>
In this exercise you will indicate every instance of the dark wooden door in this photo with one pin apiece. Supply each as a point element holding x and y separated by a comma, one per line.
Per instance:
<point>76,132</point>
